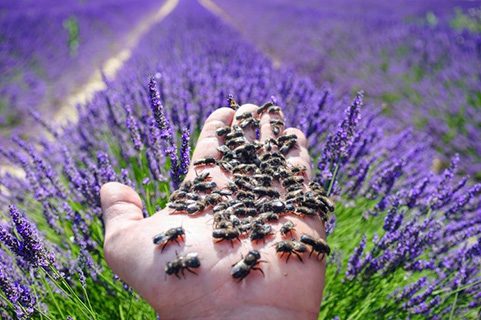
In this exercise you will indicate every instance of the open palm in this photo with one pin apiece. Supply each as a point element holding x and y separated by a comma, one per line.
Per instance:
<point>290,290</point>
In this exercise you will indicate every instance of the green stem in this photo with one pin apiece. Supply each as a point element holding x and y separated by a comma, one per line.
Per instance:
<point>47,286</point>
<point>88,300</point>
<point>64,286</point>
<point>458,289</point>
<point>331,183</point>
<point>451,314</point>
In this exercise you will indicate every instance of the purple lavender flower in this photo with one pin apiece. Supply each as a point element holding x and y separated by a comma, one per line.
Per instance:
<point>30,246</point>
<point>184,160</point>
<point>132,125</point>
<point>15,290</point>
<point>354,265</point>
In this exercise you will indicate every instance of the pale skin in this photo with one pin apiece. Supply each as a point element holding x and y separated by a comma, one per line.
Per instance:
<point>290,290</point>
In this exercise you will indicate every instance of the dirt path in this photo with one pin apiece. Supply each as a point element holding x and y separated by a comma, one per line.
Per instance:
<point>224,15</point>
<point>111,66</point>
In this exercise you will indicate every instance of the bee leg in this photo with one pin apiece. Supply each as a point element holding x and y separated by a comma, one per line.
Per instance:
<point>191,271</point>
<point>177,242</point>
<point>163,247</point>
<point>288,256</point>
<point>310,254</point>
<point>259,269</point>
<point>177,275</point>
<point>323,255</point>
<point>282,254</point>
<point>298,256</point>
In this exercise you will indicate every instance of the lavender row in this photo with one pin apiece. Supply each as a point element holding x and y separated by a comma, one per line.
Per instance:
<point>48,49</point>
<point>420,60</point>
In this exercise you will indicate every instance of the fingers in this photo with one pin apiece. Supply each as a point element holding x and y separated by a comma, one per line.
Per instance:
<point>249,131</point>
<point>299,156</point>
<point>121,206</point>
<point>269,129</point>
<point>208,139</point>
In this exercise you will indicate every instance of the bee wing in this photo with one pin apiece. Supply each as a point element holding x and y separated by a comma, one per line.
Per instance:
<point>159,238</point>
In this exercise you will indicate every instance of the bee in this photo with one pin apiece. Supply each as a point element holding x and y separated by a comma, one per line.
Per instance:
<point>298,170</point>
<point>292,181</point>
<point>213,199</point>
<point>249,122</point>
<point>218,217</point>
<point>269,144</point>
<point>264,107</point>
<point>232,103</point>
<point>287,228</point>
<point>245,195</point>
<point>263,191</point>
<point>196,207</point>
<point>294,194</point>
<point>306,211</point>
<point>245,115</point>
<point>266,156</point>
<point>277,206</point>
<point>264,179</point>
<point>205,162</point>
<point>178,206</point>
<point>328,203</point>
<point>172,234</point>
<point>313,204</point>
<point>223,192</point>
<point>234,135</point>
<point>226,166</point>
<point>319,246</point>
<point>186,186</point>
<point>230,234</point>
<point>242,268</point>
<point>316,187</point>
<point>290,247</point>
<point>220,207</point>
<point>274,109</point>
<point>294,188</point>
<point>286,137</point>
<point>260,231</point>
<point>245,168</point>
<point>269,216</point>
<point>236,142</point>
<point>236,222</point>
<point>245,225</point>
<point>204,186</point>
<point>243,211</point>
<point>243,184</point>
<point>180,263</point>
<point>276,126</point>
<point>224,149</point>
<point>274,162</point>
<point>223,131</point>
<point>201,177</point>
<point>177,195</point>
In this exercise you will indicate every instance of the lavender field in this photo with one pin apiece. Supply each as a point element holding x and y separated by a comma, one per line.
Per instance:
<point>387,94</point>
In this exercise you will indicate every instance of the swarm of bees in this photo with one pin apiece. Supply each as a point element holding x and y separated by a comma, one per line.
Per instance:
<point>249,204</point>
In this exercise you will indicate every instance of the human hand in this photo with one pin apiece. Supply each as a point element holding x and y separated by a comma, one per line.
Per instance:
<point>290,290</point>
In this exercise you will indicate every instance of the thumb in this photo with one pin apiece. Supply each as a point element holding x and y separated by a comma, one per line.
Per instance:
<point>121,206</point>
